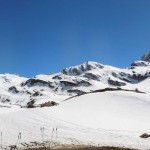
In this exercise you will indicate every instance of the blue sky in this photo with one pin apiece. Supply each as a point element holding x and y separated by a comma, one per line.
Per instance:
<point>44,36</point>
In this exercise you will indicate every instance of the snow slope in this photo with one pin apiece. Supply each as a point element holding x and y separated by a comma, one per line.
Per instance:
<point>105,118</point>
<point>83,116</point>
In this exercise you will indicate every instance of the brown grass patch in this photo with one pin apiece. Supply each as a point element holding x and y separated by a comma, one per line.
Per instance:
<point>83,148</point>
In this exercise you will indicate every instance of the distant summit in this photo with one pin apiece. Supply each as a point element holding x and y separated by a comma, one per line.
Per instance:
<point>48,90</point>
<point>146,56</point>
<point>86,66</point>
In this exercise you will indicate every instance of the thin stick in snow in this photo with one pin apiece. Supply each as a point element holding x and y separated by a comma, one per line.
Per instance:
<point>42,133</point>
<point>1,140</point>
<point>52,133</point>
<point>19,138</point>
<point>56,133</point>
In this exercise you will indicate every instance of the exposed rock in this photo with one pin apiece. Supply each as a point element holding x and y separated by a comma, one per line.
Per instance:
<point>31,104</point>
<point>83,83</point>
<point>116,83</point>
<point>36,82</point>
<point>28,92</point>
<point>92,76</point>
<point>5,100</point>
<point>13,89</point>
<point>127,80</point>
<point>122,73</point>
<point>36,94</point>
<point>146,56</point>
<point>76,91</point>
<point>145,135</point>
<point>78,70</point>
<point>57,77</point>
<point>13,147</point>
<point>67,83</point>
<point>140,63</point>
<point>139,77</point>
<point>114,74</point>
<point>49,104</point>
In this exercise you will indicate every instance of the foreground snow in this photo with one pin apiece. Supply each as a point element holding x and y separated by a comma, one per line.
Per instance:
<point>107,118</point>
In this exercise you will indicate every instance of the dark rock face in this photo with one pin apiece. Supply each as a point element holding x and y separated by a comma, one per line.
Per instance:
<point>64,71</point>
<point>36,94</point>
<point>78,70</point>
<point>90,66</point>
<point>36,82</point>
<point>92,76</point>
<point>145,135</point>
<point>76,91</point>
<point>13,89</point>
<point>71,71</point>
<point>114,74</point>
<point>31,104</point>
<point>126,80</point>
<point>6,100</point>
<point>83,83</point>
<point>146,56</point>
<point>139,77</point>
<point>49,104</point>
<point>140,63</point>
<point>116,83</point>
<point>57,77</point>
<point>67,83</point>
<point>76,83</point>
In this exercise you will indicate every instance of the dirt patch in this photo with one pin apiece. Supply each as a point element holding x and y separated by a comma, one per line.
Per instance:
<point>83,148</point>
<point>105,90</point>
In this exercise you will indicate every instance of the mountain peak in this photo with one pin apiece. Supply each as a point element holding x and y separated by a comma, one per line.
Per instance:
<point>146,56</point>
<point>86,66</point>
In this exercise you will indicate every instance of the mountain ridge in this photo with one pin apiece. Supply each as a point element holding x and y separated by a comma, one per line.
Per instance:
<point>71,81</point>
<point>97,105</point>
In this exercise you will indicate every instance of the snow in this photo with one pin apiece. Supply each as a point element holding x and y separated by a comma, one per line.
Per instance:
<point>114,118</point>
<point>89,76</point>
<point>107,118</point>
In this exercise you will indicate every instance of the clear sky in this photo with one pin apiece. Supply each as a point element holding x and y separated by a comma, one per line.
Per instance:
<point>44,36</point>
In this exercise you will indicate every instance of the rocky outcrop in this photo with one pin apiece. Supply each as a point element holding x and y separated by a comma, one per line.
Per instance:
<point>31,104</point>
<point>76,91</point>
<point>13,89</point>
<point>146,56</point>
<point>78,70</point>
<point>49,104</point>
<point>116,83</point>
<point>145,135</point>
<point>83,83</point>
<point>68,83</point>
<point>140,63</point>
<point>57,77</point>
<point>139,77</point>
<point>37,94</point>
<point>36,82</point>
<point>92,76</point>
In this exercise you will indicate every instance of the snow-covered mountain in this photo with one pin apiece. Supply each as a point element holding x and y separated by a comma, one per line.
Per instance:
<point>98,105</point>
<point>71,81</point>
